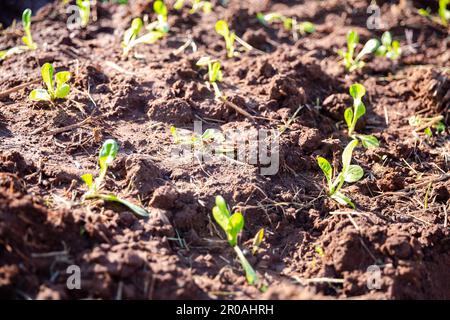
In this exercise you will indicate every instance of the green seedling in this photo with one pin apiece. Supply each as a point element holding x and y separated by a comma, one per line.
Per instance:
<point>131,36</point>
<point>350,173</point>
<point>107,154</point>
<point>197,5</point>
<point>160,25</point>
<point>179,4</point>
<point>222,29</point>
<point>233,224</point>
<point>52,93</point>
<point>289,24</point>
<point>230,37</point>
<point>427,124</point>
<point>84,9</point>
<point>27,39</point>
<point>214,73</point>
<point>210,137</point>
<point>443,12</point>
<point>4,54</point>
<point>352,114</point>
<point>257,241</point>
<point>205,6</point>
<point>352,63</point>
<point>388,48</point>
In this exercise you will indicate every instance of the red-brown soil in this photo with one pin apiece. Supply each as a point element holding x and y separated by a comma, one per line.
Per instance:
<point>179,252</point>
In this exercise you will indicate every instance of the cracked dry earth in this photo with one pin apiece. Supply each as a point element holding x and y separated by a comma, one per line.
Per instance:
<point>179,252</point>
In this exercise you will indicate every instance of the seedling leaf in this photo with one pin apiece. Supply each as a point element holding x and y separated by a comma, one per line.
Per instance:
<point>257,240</point>
<point>62,91</point>
<point>326,168</point>
<point>222,205</point>
<point>357,91</point>
<point>347,155</point>
<point>108,153</point>
<point>136,209</point>
<point>88,179</point>
<point>62,77</point>
<point>370,47</point>
<point>354,173</point>
<point>222,28</point>
<point>39,95</point>
<point>368,141</point>
<point>235,226</point>
<point>343,199</point>
<point>47,76</point>
<point>348,116</point>
<point>250,274</point>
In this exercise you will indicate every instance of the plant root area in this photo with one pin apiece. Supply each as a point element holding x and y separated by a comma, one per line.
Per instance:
<point>313,247</point>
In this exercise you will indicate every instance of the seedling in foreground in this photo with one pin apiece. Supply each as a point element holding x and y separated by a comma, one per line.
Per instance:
<point>61,90</point>
<point>27,39</point>
<point>233,224</point>
<point>351,116</point>
<point>230,37</point>
<point>350,173</point>
<point>388,48</point>
<point>352,63</point>
<point>106,156</point>
<point>214,73</point>
<point>444,14</point>
<point>131,39</point>
<point>290,24</point>
<point>84,8</point>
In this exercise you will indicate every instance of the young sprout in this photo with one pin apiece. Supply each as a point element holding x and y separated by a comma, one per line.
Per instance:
<point>84,8</point>
<point>388,48</point>
<point>52,93</point>
<point>210,141</point>
<point>222,29</point>
<point>352,63</point>
<point>131,39</point>
<point>178,4</point>
<point>350,173</point>
<point>352,114</point>
<point>214,73</point>
<point>289,24</point>
<point>205,6</point>
<point>107,154</point>
<point>427,124</point>
<point>27,39</point>
<point>208,137</point>
<point>257,240</point>
<point>161,24</point>
<point>230,37</point>
<point>11,51</point>
<point>444,14</point>
<point>233,224</point>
